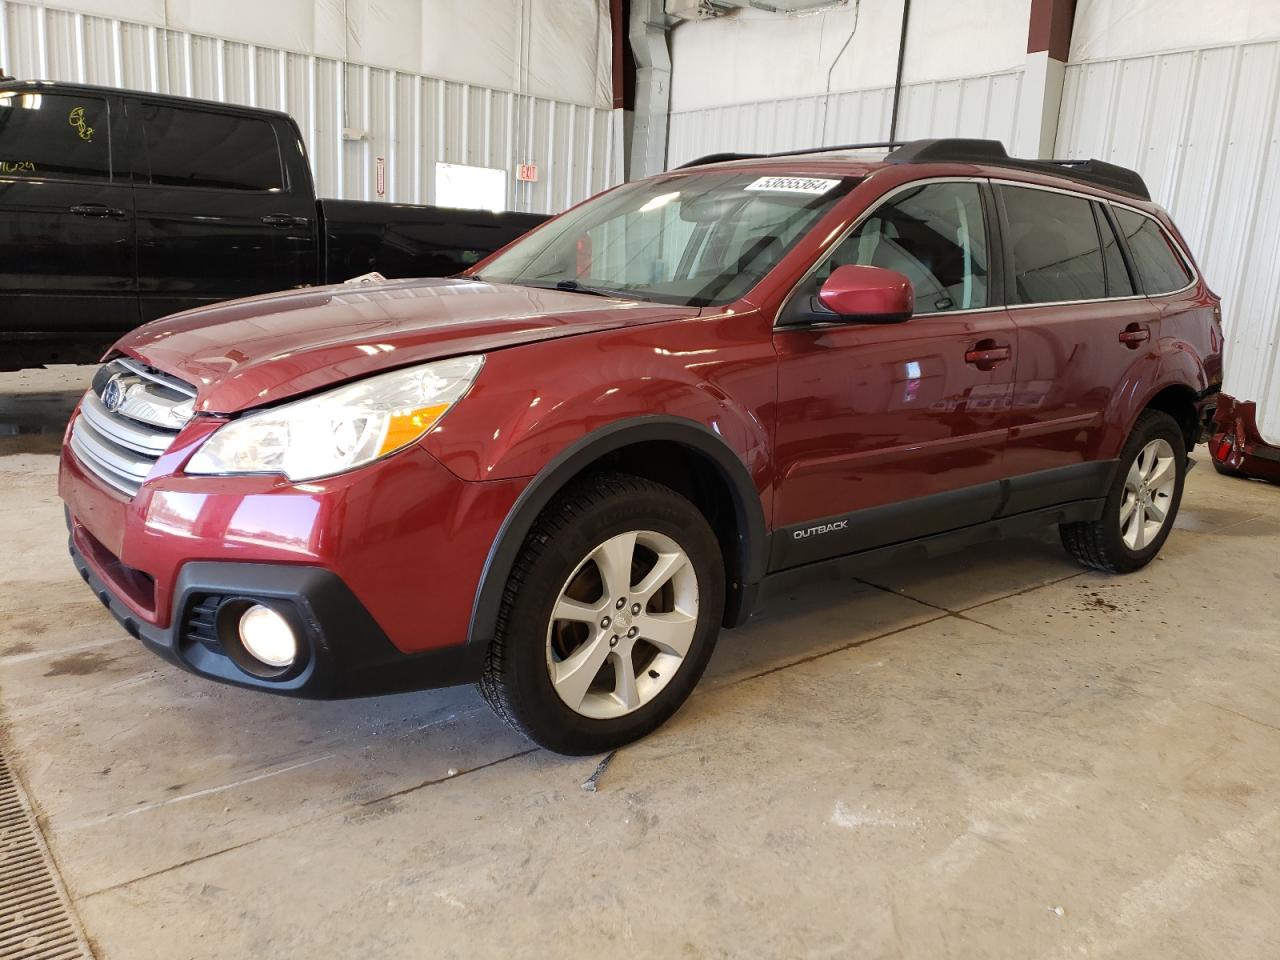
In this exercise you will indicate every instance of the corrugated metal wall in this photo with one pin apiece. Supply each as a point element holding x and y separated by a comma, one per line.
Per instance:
<point>1203,128</point>
<point>984,106</point>
<point>410,120</point>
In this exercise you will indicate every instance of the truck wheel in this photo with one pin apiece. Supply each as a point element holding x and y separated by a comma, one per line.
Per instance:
<point>1141,504</point>
<point>609,616</point>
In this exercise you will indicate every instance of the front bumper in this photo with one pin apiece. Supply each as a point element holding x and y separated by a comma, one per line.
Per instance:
<point>345,652</point>
<point>379,567</point>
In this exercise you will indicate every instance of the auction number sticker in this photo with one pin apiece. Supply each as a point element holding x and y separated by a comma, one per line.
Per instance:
<point>811,185</point>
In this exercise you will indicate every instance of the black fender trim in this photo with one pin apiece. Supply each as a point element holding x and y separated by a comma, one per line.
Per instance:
<point>752,531</point>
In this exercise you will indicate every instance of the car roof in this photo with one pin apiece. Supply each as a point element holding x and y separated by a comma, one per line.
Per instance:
<point>57,86</point>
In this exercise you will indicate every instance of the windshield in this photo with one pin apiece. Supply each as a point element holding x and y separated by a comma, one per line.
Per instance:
<point>696,239</point>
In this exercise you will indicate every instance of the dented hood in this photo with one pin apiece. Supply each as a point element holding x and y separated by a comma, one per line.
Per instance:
<point>261,350</point>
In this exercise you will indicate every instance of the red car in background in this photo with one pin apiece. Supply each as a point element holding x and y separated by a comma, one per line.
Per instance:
<point>560,475</point>
<point>1237,445</point>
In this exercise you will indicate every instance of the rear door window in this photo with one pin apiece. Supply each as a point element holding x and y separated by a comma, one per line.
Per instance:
<point>1056,253</point>
<point>1159,266</point>
<point>47,136</point>
<point>222,151</point>
<point>935,235</point>
<point>1119,283</point>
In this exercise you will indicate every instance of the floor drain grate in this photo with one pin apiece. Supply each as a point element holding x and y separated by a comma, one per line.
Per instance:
<point>36,922</point>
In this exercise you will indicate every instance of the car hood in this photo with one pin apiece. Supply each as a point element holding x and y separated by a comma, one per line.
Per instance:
<point>247,353</point>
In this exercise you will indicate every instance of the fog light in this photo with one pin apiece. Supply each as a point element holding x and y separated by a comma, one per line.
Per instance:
<point>267,636</point>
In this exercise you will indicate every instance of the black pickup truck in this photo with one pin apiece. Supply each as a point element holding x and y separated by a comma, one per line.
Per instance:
<point>118,207</point>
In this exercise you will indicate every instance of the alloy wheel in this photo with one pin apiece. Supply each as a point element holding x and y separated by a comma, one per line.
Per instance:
<point>622,624</point>
<point>1148,494</point>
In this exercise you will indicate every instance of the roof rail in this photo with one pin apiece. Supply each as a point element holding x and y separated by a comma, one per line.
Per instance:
<point>960,150</point>
<point>726,157</point>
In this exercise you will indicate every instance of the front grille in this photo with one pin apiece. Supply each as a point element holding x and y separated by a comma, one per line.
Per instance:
<point>128,418</point>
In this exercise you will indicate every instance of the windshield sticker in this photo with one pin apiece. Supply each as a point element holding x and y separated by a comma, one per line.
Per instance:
<point>815,186</point>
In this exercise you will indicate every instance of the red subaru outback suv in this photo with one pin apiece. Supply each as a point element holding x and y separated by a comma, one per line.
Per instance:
<point>561,474</point>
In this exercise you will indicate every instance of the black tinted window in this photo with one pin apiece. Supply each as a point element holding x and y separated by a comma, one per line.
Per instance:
<point>1056,255</point>
<point>934,234</point>
<point>1159,267</point>
<point>1119,283</point>
<point>44,135</point>
<point>191,148</point>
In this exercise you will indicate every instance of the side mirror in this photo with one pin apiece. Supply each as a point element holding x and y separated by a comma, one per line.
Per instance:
<point>868,294</point>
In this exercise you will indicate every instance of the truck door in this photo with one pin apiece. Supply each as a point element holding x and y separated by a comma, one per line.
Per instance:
<point>66,220</point>
<point>218,217</point>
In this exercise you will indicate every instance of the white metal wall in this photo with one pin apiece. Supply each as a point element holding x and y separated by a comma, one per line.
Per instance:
<point>408,119</point>
<point>984,106</point>
<point>1203,128</point>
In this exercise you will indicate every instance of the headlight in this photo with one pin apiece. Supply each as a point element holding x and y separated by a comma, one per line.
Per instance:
<point>341,429</point>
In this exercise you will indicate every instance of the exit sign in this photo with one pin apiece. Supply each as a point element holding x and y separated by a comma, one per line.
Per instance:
<point>527,172</point>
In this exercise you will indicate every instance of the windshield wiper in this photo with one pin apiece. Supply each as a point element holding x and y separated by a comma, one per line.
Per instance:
<point>573,286</point>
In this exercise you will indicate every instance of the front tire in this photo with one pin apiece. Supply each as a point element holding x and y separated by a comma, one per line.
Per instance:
<point>609,617</point>
<point>1141,504</point>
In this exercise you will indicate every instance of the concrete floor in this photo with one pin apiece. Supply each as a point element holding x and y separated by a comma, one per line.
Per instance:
<point>993,754</point>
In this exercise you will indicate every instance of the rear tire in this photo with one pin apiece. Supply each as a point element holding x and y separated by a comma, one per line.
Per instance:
<point>609,616</point>
<point>1141,504</point>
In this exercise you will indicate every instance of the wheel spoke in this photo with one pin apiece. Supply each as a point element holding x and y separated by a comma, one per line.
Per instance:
<point>613,557</point>
<point>624,690</point>
<point>670,632</point>
<point>1126,511</point>
<point>1149,459</point>
<point>1163,473</point>
<point>1140,528</point>
<point>1133,480</point>
<point>1155,510</point>
<point>573,675</point>
<point>579,612</point>
<point>668,565</point>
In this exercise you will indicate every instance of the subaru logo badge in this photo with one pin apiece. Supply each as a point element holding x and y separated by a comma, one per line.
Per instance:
<point>113,395</point>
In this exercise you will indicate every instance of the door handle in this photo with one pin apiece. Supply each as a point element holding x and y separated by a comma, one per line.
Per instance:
<point>1134,335</point>
<point>284,220</point>
<point>97,210</point>
<point>987,354</point>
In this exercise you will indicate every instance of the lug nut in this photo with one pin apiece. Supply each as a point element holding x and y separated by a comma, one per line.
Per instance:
<point>604,624</point>
<point>635,608</point>
<point>613,641</point>
<point>633,631</point>
<point>622,602</point>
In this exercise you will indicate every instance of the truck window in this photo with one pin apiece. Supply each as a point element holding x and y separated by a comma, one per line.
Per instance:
<point>45,136</point>
<point>1056,253</point>
<point>1161,269</point>
<point>222,151</point>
